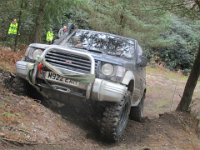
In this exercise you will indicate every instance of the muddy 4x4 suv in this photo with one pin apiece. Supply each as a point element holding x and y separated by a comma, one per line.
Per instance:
<point>95,66</point>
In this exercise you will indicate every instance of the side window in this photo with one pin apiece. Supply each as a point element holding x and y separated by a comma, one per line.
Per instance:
<point>141,59</point>
<point>139,54</point>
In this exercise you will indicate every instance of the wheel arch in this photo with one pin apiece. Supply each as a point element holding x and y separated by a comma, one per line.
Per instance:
<point>145,90</point>
<point>129,81</point>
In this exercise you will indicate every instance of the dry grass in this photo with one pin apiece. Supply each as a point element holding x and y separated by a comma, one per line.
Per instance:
<point>8,58</point>
<point>164,90</point>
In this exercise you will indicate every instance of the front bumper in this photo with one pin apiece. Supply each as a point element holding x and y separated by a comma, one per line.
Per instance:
<point>22,68</point>
<point>107,91</point>
<point>99,90</point>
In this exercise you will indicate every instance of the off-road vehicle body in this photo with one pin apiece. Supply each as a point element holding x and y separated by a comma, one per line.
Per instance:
<point>95,66</point>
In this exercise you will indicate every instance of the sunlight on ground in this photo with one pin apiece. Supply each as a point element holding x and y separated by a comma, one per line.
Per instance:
<point>164,90</point>
<point>166,72</point>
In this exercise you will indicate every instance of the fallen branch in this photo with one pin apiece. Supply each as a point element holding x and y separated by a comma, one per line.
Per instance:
<point>22,143</point>
<point>11,128</point>
<point>15,142</point>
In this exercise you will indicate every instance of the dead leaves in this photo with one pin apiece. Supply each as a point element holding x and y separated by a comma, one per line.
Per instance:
<point>8,58</point>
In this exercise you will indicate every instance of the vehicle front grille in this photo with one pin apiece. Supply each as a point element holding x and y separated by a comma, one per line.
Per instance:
<point>66,60</point>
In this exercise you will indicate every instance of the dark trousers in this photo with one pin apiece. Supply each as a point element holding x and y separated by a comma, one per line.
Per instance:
<point>10,40</point>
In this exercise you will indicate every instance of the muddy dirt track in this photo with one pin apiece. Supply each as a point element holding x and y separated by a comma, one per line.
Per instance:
<point>30,124</point>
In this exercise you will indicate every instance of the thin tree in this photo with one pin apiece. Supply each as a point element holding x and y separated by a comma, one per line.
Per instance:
<point>39,21</point>
<point>19,24</point>
<point>192,80</point>
<point>190,85</point>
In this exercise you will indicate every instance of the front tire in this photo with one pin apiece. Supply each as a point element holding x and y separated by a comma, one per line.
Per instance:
<point>20,86</point>
<point>136,112</point>
<point>115,119</point>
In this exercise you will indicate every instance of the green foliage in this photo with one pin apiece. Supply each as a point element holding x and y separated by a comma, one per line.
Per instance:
<point>164,36</point>
<point>53,15</point>
<point>183,37</point>
<point>128,18</point>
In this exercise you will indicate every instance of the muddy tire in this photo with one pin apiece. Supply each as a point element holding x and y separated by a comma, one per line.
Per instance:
<point>136,112</point>
<point>22,87</point>
<point>19,86</point>
<point>115,119</point>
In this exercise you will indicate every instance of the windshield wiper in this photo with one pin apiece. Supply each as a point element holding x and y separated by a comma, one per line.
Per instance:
<point>94,50</point>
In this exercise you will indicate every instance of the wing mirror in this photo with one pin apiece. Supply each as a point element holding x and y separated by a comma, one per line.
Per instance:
<point>142,61</point>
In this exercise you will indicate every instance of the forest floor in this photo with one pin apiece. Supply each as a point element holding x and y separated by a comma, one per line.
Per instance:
<point>26,123</point>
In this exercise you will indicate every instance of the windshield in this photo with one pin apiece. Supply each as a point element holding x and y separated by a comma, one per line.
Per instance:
<point>102,43</point>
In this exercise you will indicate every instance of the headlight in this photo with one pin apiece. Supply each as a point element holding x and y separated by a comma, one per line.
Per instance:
<point>32,53</point>
<point>29,52</point>
<point>107,69</point>
<point>120,71</point>
<point>36,53</point>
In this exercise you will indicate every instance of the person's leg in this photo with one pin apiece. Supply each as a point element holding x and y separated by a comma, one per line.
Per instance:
<point>9,40</point>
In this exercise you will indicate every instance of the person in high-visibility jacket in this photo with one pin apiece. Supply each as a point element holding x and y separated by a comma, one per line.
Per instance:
<point>12,33</point>
<point>13,27</point>
<point>49,36</point>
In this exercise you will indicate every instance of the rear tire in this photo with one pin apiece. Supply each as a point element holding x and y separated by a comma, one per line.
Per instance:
<point>115,119</point>
<point>136,112</point>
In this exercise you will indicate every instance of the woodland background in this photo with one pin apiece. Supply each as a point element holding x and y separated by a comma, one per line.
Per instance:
<point>168,30</point>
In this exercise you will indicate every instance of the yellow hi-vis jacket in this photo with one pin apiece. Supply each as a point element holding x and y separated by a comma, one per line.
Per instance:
<point>13,28</point>
<point>49,36</point>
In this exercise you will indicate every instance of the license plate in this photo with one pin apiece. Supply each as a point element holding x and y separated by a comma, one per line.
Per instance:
<point>57,78</point>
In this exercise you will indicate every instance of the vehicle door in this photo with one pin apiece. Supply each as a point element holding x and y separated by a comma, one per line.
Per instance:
<point>140,73</point>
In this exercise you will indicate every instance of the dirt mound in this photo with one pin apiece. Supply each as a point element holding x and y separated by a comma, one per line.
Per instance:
<point>195,110</point>
<point>169,131</point>
<point>27,124</point>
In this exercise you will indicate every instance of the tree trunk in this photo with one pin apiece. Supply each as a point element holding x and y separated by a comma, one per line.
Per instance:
<point>121,23</point>
<point>122,20</point>
<point>198,3</point>
<point>19,24</point>
<point>190,85</point>
<point>39,21</point>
